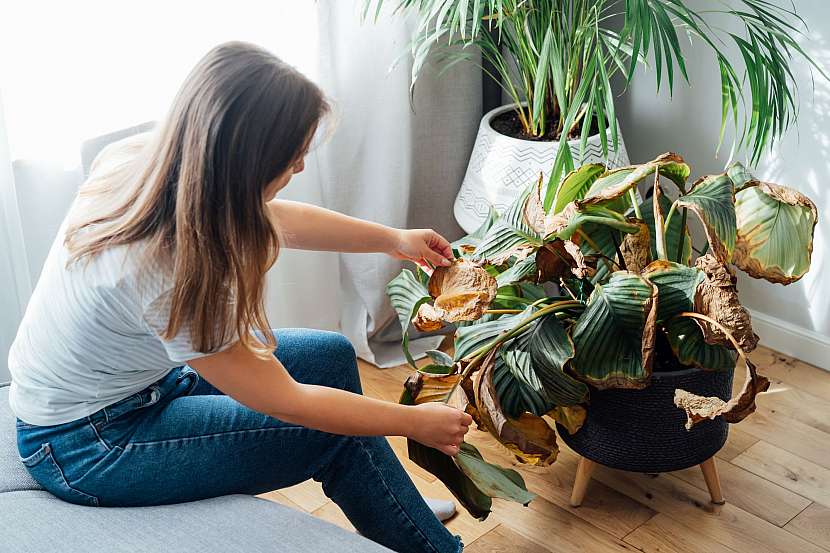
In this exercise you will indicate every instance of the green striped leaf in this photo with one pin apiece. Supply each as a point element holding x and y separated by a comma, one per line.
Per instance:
<point>676,287</point>
<point>614,336</point>
<point>617,182</point>
<point>551,348</point>
<point>687,343</point>
<point>521,270</point>
<point>465,245</point>
<point>509,232</point>
<point>472,337</point>
<point>775,232</point>
<point>712,199</point>
<point>576,184</point>
<point>516,383</point>
<point>406,293</point>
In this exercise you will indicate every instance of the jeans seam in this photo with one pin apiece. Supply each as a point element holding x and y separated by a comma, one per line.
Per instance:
<point>359,440</point>
<point>185,439</point>
<point>98,435</point>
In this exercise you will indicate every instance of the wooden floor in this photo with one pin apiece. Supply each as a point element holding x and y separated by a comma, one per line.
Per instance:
<point>775,473</point>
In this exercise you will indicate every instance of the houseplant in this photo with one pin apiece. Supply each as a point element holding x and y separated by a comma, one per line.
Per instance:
<point>555,60</point>
<point>598,296</point>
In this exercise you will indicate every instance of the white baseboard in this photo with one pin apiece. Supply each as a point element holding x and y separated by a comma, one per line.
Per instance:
<point>802,343</point>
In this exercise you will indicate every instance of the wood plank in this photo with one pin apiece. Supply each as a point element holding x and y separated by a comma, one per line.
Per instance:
<point>662,534</point>
<point>751,492</point>
<point>307,495</point>
<point>603,507</point>
<point>775,365</point>
<point>790,434</point>
<point>277,497</point>
<point>398,444</point>
<point>330,512</point>
<point>502,539</point>
<point>813,524</point>
<point>737,442</point>
<point>556,529</point>
<point>792,402</point>
<point>462,524</point>
<point>690,506</point>
<point>790,471</point>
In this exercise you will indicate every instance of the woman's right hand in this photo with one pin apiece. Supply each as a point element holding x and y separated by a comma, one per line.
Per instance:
<point>440,426</point>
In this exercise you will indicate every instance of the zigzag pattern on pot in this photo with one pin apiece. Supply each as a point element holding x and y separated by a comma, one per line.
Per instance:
<point>514,167</point>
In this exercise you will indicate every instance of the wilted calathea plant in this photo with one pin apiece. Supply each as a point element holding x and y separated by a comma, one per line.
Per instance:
<point>595,293</point>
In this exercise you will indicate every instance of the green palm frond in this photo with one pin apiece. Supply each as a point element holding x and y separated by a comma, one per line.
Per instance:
<point>556,59</point>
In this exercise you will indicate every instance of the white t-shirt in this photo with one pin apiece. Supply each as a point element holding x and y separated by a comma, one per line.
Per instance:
<point>91,335</point>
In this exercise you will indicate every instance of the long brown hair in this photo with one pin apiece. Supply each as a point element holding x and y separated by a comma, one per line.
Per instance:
<point>195,192</point>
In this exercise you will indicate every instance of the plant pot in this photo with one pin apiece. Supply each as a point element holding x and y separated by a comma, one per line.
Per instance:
<point>501,167</point>
<point>643,431</point>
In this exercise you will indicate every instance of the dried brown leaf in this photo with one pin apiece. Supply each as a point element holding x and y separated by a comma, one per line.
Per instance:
<point>571,417</point>
<point>425,388</point>
<point>717,298</point>
<point>739,407</point>
<point>463,292</point>
<point>558,258</point>
<point>428,318</point>
<point>530,438</point>
<point>636,247</point>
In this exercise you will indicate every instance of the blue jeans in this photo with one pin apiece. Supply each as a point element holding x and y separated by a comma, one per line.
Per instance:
<point>181,440</point>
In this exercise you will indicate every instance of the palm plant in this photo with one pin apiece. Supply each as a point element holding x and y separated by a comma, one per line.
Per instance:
<point>596,293</point>
<point>555,60</point>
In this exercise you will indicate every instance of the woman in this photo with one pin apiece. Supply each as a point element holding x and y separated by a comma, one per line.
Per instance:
<point>144,370</point>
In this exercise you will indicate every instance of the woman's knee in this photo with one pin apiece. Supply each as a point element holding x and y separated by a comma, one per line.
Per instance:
<point>339,352</point>
<point>327,357</point>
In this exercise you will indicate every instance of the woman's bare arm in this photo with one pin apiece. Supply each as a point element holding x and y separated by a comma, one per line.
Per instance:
<point>265,386</point>
<point>309,227</point>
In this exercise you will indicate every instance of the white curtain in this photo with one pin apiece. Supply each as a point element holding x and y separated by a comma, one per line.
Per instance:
<point>93,68</point>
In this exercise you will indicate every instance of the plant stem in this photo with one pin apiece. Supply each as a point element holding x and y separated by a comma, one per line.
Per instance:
<point>682,237</point>
<point>503,311</point>
<point>515,299</point>
<point>476,356</point>
<point>672,209</point>
<point>632,194</point>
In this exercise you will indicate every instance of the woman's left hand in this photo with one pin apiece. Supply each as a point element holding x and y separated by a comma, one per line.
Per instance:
<point>422,246</point>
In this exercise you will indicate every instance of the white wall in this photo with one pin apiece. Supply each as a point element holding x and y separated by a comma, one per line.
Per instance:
<point>15,287</point>
<point>793,319</point>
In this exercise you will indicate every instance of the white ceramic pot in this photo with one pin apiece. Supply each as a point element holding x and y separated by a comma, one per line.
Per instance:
<point>502,166</point>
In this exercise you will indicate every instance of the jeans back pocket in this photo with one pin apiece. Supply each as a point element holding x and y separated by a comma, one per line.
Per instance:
<point>45,470</point>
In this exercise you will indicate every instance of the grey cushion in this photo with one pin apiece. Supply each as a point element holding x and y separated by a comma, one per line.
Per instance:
<point>38,522</point>
<point>35,521</point>
<point>13,475</point>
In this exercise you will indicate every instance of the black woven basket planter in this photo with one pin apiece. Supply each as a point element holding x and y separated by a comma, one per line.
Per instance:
<point>643,431</point>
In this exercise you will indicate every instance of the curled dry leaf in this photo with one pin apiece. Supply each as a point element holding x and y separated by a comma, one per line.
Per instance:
<point>699,408</point>
<point>545,224</point>
<point>463,292</point>
<point>530,438</point>
<point>428,318</point>
<point>558,222</point>
<point>534,209</point>
<point>636,247</point>
<point>424,388</point>
<point>555,259</point>
<point>717,297</point>
<point>518,253</point>
<point>571,417</point>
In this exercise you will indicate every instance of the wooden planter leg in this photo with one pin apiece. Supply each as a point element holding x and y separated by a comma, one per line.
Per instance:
<point>583,476</point>
<point>710,475</point>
